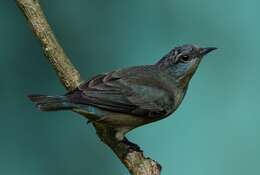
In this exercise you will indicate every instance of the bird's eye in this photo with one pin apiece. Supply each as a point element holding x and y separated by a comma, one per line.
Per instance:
<point>184,59</point>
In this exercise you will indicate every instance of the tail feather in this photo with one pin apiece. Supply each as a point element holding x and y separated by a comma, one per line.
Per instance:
<point>52,103</point>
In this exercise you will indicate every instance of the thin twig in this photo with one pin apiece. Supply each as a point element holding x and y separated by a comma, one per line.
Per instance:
<point>134,161</point>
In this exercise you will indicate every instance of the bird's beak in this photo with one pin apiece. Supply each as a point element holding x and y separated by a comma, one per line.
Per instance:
<point>205,51</point>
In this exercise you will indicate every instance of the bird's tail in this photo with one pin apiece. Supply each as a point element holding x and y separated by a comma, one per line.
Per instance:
<point>52,103</point>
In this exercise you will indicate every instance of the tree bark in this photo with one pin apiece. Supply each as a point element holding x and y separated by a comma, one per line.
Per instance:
<point>134,161</point>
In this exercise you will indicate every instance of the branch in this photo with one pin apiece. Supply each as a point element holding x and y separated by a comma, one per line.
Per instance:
<point>134,161</point>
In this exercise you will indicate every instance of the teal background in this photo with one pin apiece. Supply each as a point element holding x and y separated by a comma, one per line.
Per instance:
<point>215,131</point>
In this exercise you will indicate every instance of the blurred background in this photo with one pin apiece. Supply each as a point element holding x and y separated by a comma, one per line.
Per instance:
<point>216,129</point>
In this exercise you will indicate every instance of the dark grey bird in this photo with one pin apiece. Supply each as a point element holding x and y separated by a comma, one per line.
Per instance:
<point>131,97</point>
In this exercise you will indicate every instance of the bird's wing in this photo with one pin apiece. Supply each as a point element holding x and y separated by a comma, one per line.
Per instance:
<point>132,91</point>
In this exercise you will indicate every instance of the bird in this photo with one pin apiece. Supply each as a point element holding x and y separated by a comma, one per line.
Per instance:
<point>127,98</point>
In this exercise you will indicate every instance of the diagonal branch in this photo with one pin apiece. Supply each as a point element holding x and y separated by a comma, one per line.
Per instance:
<point>134,161</point>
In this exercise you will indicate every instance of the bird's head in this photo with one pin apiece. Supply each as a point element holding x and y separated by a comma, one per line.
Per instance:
<point>183,61</point>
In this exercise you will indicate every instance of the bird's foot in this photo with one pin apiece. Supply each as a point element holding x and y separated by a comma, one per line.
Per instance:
<point>131,147</point>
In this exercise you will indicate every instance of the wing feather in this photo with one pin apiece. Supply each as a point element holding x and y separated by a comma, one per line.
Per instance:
<point>122,92</point>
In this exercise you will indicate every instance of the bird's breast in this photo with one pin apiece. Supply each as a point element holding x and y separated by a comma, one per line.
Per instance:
<point>179,96</point>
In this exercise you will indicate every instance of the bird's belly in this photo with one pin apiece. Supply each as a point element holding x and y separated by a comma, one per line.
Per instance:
<point>115,119</point>
<point>123,123</point>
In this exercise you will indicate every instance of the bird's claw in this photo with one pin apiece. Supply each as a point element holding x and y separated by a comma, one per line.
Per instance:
<point>130,147</point>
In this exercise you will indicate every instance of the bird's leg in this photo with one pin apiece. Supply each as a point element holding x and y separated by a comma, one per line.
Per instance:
<point>119,139</point>
<point>132,146</point>
<point>120,136</point>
